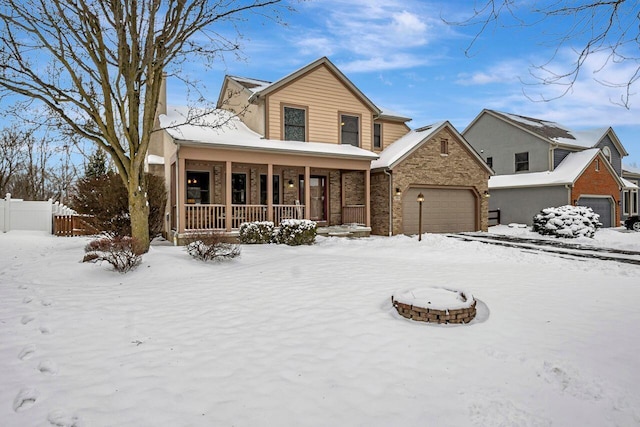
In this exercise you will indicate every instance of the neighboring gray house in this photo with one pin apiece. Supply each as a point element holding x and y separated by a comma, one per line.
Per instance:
<point>631,177</point>
<point>540,164</point>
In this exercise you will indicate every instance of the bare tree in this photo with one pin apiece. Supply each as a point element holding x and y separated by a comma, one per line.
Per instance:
<point>588,28</point>
<point>104,64</point>
<point>11,156</point>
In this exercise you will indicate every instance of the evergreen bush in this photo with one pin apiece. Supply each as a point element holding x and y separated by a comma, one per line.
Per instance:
<point>257,232</point>
<point>567,221</point>
<point>296,232</point>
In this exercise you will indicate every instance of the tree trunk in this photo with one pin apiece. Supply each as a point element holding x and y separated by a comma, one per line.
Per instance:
<point>139,211</point>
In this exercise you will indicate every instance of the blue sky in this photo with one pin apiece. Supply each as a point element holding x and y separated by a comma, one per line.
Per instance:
<point>405,58</point>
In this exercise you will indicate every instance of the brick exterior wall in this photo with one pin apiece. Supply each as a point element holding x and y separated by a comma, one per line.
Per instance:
<point>601,182</point>
<point>427,166</point>
<point>380,204</point>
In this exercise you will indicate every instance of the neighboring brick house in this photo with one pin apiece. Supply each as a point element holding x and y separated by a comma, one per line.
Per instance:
<point>539,164</point>
<point>300,147</point>
<point>437,162</point>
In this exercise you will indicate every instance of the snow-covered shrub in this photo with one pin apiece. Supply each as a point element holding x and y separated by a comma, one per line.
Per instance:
<point>296,232</point>
<point>567,221</point>
<point>124,253</point>
<point>256,232</point>
<point>211,246</point>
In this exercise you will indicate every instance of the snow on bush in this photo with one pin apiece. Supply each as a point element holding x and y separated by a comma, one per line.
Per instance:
<point>122,252</point>
<point>210,247</point>
<point>296,232</point>
<point>567,221</point>
<point>256,232</point>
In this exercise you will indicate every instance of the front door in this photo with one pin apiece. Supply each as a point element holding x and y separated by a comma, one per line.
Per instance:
<point>318,193</point>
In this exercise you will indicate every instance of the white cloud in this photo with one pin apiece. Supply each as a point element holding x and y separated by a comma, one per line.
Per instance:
<point>380,63</point>
<point>376,35</point>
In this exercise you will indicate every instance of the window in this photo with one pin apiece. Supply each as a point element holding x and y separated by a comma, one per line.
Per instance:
<point>198,187</point>
<point>444,146</point>
<point>490,162</point>
<point>522,162</point>
<point>350,130</point>
<point>626,202</point>
<point>239,189</point>
<point>276,189</point>
<point>607,153</point>
<point>597,165</point>
<point>294,124</point>
<point>377,134</point>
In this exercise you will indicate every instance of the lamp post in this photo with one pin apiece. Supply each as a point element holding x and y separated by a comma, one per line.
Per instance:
<point>420,200</point>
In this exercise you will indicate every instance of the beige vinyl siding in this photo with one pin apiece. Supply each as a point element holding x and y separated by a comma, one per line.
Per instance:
<point>325,98</point>
<point>392,131</point>
<point>236,100</point>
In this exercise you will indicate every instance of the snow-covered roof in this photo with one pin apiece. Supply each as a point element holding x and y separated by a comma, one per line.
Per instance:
<point>628,184</point>
<point>397,151</point>
<point>630,169</point>
<point>560,134</point>
<point>386,113</point>
<point>154,159</point>
<point>253,85</point>
<point>401,148</point>
<point>566,173</point>
<point>222,129</point>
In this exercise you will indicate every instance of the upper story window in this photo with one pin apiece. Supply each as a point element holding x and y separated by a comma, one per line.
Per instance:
<point>490,162</point>
<point>607,153</point>
<point>350,130</point>
<point>597,165</point>
<point>295,124</point>
<point>522,162</point>
<point>444,146</point>
<point>377,136</point>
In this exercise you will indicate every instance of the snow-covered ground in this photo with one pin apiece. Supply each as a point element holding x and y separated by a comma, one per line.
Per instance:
<point>307,336</point>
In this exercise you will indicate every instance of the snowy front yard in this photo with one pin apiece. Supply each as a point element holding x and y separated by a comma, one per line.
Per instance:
<point>307,336</point>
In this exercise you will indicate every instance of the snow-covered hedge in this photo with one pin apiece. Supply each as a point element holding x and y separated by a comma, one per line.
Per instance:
<point>567,221</point>
<point>256,232</point>
<point>296,232</point>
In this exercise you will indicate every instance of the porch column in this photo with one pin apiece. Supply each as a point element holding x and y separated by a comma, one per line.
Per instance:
<point>367,198</point>
<point>307,192</point>
<point>227,196</point>
<point>180,197</point>
<point>270,192</point>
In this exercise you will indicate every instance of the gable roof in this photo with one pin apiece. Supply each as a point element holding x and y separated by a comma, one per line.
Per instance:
<point>324,61</point>
<point>555,133</point>
<point>395,153</point>
<point>222,129</point>
<point>567,172</point>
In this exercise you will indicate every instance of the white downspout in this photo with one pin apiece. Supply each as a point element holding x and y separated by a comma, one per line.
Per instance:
<point>386,171</point>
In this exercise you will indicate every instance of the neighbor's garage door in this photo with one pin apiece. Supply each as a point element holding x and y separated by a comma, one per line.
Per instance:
<point>443,211</point>
<point>601,206</point>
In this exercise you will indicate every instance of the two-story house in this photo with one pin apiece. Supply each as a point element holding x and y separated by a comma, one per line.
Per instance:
<point>539,164</point>
<point>303,147</point>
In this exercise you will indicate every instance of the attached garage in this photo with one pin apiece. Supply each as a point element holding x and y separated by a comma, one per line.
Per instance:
<point>603,206</point>
<point>444,210</point>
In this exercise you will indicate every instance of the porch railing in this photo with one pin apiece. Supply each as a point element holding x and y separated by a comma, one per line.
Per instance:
<point>205,217</point>
<point>353,214</point>
<point>213,217</point>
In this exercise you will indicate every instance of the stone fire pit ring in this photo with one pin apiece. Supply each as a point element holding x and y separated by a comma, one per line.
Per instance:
<point>435,305</point>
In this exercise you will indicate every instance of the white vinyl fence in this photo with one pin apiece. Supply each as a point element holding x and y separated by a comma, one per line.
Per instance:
<point>17,214</point>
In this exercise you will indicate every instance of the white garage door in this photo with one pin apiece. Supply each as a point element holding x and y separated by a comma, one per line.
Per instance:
<point>443,210</point>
